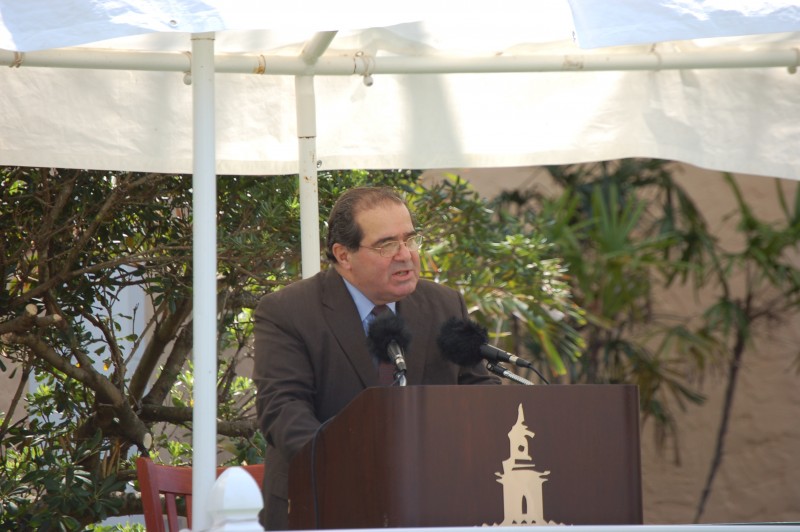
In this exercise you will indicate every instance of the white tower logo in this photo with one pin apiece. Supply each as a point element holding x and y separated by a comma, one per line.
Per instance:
<point>522,484</point>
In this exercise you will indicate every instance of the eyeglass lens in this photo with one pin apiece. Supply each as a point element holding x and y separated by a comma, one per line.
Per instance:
<point>390,249</point>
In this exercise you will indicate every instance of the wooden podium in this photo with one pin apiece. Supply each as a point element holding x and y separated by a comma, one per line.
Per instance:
<point>438,456</point>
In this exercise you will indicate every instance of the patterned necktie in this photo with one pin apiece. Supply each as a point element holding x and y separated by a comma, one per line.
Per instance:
<point>385,368</point>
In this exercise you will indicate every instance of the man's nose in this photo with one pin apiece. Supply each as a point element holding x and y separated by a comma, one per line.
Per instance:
<point>403,252</point>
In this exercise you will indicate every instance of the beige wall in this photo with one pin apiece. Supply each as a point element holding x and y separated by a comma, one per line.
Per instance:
<point>759,479</point>
<point>7,390</point>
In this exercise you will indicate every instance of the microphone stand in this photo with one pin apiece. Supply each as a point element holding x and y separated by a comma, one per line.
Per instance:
<point>400,378</point>
<point>503,372</point>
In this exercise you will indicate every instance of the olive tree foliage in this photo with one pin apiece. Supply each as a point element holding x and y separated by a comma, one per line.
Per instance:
<point>75,241</point>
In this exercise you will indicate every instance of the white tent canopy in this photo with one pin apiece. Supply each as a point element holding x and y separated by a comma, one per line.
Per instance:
<point>277,87</point>
<point>719,103</point>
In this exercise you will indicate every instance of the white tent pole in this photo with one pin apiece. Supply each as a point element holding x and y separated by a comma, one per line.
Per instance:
<point>204,232</point>
<point>343,65</point>
<point>307,155</point>
<point>307,174</point>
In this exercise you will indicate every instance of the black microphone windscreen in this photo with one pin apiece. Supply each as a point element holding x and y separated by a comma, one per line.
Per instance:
<point>383,329</point>
<point>460,341</point>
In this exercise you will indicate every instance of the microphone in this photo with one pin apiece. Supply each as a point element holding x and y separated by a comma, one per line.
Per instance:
<point>387,340</point>
<point>464,342</point>
<point>503,372</point>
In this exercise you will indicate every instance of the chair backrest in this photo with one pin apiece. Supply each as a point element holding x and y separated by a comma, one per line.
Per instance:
<point>174,483</point>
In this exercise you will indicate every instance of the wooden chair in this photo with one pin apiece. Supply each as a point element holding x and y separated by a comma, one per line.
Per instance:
<point>174,483</point>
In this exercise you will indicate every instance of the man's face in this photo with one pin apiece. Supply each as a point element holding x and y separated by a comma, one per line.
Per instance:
<point>381,279</point>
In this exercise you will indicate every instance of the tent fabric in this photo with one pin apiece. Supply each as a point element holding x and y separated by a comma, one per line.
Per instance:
<point>601,23</point>
<point>740,119</point>
<point>42,24</point>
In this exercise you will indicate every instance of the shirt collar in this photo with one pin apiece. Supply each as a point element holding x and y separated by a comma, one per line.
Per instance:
<point>363,304</point>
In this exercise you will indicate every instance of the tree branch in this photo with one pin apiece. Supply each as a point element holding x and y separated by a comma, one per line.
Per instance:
<point>129,423</point>
<point>164,333</point>
<point>113,346</point>
<point>184,415</point>
<point>172,367</point>
<point>29,320</point>
<point>134,260</point>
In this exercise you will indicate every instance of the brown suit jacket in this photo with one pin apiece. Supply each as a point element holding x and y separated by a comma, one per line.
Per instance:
<point>311,360</point>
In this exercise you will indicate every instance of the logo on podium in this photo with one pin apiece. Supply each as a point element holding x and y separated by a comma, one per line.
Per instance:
<point>523,503</point>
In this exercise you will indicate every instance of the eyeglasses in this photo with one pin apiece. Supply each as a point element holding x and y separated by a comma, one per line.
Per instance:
<point>390,249</point>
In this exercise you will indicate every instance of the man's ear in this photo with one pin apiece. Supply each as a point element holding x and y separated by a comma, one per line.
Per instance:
<point>342,255</point>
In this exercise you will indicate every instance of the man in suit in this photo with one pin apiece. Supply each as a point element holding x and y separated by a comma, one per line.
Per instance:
<point>311,355</point>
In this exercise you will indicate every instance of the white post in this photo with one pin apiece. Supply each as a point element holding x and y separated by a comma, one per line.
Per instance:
<point>204,231</point>
<point>307,174</point>
<point>236,502</point>
<point>307,155</point>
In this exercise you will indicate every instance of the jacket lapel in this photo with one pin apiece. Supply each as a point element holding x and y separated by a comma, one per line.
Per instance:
<point>342,318</point>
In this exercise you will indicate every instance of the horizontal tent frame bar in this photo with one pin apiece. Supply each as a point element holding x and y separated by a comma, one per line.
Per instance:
<point>361,64</point>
